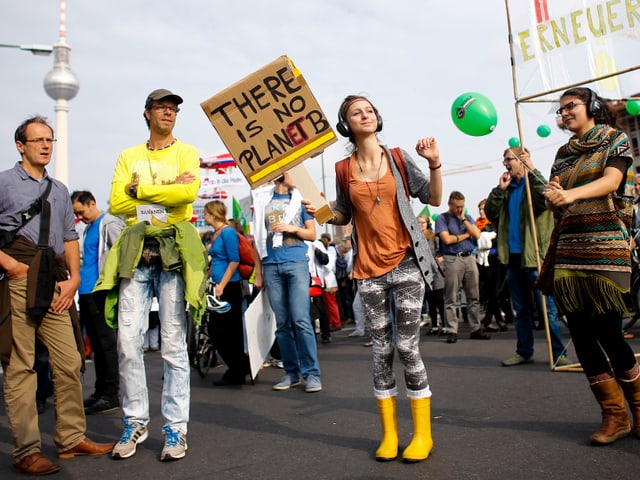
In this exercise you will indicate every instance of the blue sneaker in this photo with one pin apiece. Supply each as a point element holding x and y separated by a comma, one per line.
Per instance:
<point>312,384</point>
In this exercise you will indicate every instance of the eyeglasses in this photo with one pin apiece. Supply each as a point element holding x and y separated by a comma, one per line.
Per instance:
<point>48,141</point>
<point>164,108</point>
<point>508,159</point>
<point>568,107</point>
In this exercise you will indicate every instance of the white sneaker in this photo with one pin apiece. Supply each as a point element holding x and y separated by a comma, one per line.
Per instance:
<point>175,445</point>
<point>133,434</point>
<point>356,333</point>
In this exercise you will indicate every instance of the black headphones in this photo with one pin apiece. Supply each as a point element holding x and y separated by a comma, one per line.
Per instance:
<point>343,126</point>
<point>594,106</point>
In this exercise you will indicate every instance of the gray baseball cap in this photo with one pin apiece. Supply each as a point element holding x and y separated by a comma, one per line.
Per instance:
<point>161,94</point>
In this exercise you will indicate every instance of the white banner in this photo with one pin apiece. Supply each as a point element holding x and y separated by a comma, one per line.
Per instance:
<point>558,43</point>
<point>260,327</point>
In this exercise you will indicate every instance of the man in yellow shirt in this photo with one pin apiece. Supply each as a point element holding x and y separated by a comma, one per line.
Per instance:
<point>156,181</point>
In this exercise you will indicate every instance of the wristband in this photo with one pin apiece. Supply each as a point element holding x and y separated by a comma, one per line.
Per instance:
<point>435,168</point>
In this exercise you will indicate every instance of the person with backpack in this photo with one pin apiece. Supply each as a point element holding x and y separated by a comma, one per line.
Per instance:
<point>227,328</point>
<point>393,263</point>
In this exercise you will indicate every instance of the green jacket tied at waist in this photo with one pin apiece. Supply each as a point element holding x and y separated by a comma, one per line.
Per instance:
<point>180,248</point>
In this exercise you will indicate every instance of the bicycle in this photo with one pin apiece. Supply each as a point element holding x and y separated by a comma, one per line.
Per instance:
<point>205,352</point>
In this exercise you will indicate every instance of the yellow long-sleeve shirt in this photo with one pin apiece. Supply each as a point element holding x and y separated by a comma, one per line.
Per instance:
<point>155,172</point>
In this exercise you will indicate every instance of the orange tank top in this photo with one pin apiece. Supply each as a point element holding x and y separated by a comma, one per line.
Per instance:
<point>382,238</point>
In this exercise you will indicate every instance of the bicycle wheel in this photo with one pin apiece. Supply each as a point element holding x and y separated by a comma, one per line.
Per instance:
<point>192,333</point>
<point>204,358</point>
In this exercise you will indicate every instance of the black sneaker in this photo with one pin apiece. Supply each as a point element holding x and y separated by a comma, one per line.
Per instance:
<point>452,337</point>
<point>102,405</point>
<point>90,400</point>
<point>479,335</point>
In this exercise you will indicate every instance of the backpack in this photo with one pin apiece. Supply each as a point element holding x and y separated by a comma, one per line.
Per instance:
<point>247,260</point>
<point>341,268</point>
<point>342,173</point>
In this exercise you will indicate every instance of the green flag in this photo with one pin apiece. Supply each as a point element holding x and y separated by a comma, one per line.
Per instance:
<point>238,214</point>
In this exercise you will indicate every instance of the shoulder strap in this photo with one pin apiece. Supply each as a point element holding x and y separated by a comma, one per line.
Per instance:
<point>396,153</point>
<point>45,218</point>
<point>342,175</point>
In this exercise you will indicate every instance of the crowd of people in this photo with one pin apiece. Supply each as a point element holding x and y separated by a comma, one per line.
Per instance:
<point>539,249</point>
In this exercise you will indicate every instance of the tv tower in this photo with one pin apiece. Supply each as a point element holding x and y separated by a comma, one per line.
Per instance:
<point>61,84</point>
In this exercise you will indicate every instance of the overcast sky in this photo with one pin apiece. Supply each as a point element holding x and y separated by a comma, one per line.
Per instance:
<point>412,58</point>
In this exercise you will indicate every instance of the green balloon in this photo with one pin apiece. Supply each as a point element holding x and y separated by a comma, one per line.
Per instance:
<point>514,142</point>
<point>434,216</point>
<point>474,114</point>
<point>633,107</point>
<point>544,131</point>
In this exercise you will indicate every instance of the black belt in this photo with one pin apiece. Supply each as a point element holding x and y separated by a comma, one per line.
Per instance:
<point>459,254</point>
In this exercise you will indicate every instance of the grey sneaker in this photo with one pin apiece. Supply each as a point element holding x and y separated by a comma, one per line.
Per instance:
<point>175,445</point>
<point>517,359</point>
<point>312,384</point>
<point>134,433</point>
<point>287,382</point>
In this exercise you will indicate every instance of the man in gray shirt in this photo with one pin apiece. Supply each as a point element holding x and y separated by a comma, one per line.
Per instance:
<point>31,258</point>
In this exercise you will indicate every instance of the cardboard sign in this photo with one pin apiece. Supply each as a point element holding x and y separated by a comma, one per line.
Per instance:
<point>269,121</point>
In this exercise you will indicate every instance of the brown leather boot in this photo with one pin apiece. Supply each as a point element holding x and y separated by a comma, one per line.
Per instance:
<point>630,383</point>
<point>615,422</point>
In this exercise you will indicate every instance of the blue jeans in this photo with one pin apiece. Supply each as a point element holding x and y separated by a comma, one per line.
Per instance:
<point>287,286</point>
<point>521,283</point>
<point>133,321</point>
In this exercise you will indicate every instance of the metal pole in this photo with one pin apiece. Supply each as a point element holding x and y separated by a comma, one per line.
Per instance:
<point>527,184</point>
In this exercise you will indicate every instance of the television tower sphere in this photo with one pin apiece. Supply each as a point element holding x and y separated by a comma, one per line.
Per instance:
<point>61,83</point>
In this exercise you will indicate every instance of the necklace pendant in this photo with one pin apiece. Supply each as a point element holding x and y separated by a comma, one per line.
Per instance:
<point>377,200</point>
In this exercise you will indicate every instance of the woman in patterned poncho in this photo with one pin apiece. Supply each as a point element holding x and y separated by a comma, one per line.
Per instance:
<point>591,192</point>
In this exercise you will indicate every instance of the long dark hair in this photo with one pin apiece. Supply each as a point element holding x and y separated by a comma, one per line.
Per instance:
<point>604,115</point>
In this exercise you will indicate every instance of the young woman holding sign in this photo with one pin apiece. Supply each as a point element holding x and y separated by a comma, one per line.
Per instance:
<point>392,265</point>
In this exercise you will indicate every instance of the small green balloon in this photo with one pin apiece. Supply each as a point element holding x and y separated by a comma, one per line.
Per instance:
<point>544,131</point>
<point>633,107</point>
<point>474,114</point>
<point>434,216</point>
<point>514,142</point>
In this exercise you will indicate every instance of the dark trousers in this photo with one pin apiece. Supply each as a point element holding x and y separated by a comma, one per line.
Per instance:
<point>319,311</point>
<point>599,343</point>
<point>227,332</point>
<point>103,340</point>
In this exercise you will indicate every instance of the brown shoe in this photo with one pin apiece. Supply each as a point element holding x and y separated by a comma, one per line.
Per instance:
<point>36,464</point>
<point>87,447</point>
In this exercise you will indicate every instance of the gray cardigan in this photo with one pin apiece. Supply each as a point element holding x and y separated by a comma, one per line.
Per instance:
<point>418,187</point>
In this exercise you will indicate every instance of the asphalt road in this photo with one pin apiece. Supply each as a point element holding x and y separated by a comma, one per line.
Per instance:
<point>489,422</point>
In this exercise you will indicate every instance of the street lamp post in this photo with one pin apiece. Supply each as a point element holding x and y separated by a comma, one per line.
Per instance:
<point>35,48</point>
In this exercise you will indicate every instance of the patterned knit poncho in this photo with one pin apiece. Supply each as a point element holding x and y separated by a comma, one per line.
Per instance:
<point>593,264</point>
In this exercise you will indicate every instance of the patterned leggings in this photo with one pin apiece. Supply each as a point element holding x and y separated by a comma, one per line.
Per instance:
<point>392,305</point>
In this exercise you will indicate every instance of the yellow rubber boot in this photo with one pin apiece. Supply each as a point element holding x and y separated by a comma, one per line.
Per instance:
<point>421,443</point>
<point>388,449</point>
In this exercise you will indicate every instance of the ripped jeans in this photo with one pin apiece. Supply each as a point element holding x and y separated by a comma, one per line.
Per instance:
<point>392,304</point>
<point>134,304</point>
